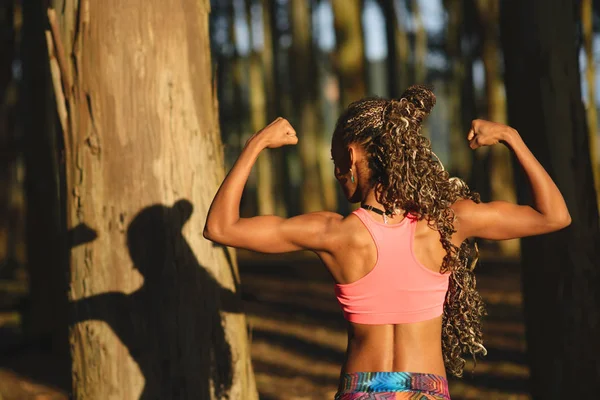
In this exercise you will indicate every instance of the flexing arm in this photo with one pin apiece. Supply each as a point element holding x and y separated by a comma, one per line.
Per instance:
<point>267,234</point>
<point>502,220</point>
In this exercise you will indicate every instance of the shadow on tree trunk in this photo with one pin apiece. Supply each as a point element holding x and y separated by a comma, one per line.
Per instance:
<point>156,321</point>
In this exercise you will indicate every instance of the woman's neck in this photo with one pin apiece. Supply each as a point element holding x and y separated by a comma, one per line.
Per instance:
<point>370,198</point>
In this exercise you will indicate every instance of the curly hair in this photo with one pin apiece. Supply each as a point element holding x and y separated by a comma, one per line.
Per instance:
<point>408,176</point>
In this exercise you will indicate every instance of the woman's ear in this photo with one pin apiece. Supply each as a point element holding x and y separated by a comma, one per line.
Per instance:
<point>351,155</point>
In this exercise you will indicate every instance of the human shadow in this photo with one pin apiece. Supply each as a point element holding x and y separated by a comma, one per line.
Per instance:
<point>172,324</point>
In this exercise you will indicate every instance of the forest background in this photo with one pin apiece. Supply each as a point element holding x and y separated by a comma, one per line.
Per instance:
<point>84,88</point>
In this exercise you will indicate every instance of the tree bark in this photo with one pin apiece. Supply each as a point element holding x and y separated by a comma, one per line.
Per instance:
<point>561,271</point>
<point>155,308</point>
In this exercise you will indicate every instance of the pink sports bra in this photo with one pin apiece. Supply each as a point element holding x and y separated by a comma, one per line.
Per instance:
<point>398,289</point>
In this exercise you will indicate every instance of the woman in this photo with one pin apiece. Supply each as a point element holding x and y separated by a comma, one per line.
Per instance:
<point>401,262</point>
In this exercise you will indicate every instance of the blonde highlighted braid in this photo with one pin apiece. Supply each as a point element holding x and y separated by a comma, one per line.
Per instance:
<point>407,175</point>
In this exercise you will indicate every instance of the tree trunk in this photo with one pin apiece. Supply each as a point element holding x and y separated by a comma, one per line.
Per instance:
<point>398,49</point>
<point>11,213</point>
<point>258,120</point>
<point>303,70</point>
<point>498,157</point>
<point>460,157</point>
<point>350,53</point>
<point>47,318</point>
<point>420,44</point>
<point>155,307</point>
<point>561,271</point>
<point>268,64</point>
<point>590,75</point>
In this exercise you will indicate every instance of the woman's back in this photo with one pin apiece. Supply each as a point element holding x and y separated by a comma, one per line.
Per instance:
<point>391,291</point>
<point>383,162</point>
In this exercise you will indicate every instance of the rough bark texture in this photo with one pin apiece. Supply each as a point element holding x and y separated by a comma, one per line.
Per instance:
<point>155,308</point>
<point>561,271</point>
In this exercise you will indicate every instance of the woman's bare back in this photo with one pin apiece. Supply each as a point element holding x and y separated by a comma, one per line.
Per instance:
<point>411,347</point>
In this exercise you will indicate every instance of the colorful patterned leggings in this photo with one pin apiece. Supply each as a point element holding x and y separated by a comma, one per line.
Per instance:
<point>392,386</point>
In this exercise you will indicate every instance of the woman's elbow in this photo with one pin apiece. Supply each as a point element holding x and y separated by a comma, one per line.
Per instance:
<point>561,222</point>
<point>567,220</point>
<point>206,233</point>
<point>211,233</point>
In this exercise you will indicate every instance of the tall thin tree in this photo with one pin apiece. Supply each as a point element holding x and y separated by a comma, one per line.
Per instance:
<point>498,158</point>
<point>587,19</point>
<point>258,114</point>
<point>350,52</point>
<point>303,69</point>
<point>459,66</point>
<point>561,271</point>
<point>420,43</point>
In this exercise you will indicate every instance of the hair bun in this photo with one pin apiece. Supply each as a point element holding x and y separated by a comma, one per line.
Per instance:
<point>421,97</point>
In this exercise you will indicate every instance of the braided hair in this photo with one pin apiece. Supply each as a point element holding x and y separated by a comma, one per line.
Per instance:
<point>407,175</point>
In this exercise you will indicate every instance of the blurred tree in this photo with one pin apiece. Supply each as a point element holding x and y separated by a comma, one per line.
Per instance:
<point>420,44</point>
<point>46,319</point>
<point>11,208</point>
<point>587,19</point>
<point>305,95</point>
<point>497,158</point>
<point>155,308</point>
<point>460,69</point>
<point>398,49</point>
<point>561,271</point>
<point>288,174</point>
<point>350,53</point>
<point>268,63</point>
<point>258,117</point>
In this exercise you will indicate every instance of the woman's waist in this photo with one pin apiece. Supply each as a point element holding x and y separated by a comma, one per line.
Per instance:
<point>376,353</point>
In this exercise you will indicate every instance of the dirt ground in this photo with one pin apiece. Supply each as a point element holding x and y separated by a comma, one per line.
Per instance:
<point>298,335</point>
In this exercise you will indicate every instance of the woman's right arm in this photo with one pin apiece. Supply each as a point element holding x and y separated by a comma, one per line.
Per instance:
<point>500,220</point>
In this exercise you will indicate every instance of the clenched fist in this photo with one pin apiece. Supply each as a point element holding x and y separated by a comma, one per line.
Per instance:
<point>278,133</point>
<point>487,133</point>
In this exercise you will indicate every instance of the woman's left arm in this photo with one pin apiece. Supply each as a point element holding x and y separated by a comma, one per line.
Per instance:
<point>269,233</point>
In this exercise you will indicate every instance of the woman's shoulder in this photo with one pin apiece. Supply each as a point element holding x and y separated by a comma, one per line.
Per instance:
<point>462,206</point>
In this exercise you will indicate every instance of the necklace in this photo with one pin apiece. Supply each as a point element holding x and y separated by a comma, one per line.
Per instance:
<point>377,211</point>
